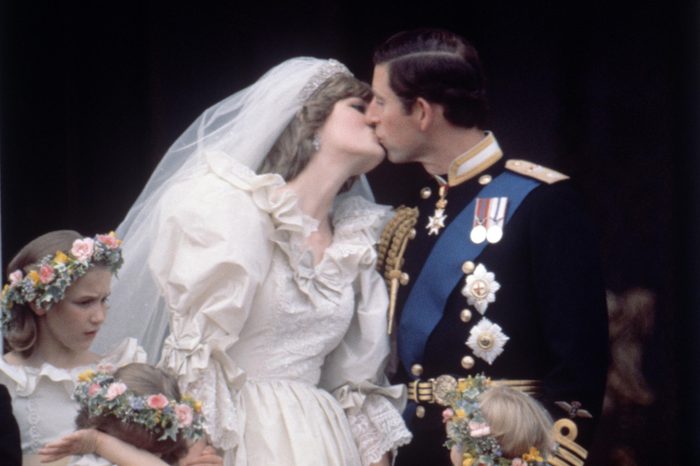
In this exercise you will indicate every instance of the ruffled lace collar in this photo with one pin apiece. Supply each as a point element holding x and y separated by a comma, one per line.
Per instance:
<point>265,191</point>
<point>27,378</point>
<point>357,224</point>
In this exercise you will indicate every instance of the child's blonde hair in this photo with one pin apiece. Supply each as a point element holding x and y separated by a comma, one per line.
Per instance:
<point>517,421</point>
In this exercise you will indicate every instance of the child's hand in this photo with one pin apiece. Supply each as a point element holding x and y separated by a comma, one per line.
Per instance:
<point>207,457</point>
<point>80,442</point>
<point>456,456</point>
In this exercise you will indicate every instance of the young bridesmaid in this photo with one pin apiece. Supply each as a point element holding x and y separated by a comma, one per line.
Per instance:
<point>134,416</point>
<point>51,309</point>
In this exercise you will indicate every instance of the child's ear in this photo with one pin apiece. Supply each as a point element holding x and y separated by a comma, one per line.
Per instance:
<point>38,310</point>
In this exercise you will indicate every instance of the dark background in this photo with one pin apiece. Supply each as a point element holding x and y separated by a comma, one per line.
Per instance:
<point>92,94</point>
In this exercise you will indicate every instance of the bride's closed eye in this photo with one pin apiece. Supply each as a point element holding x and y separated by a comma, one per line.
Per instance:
<point>360,106</point>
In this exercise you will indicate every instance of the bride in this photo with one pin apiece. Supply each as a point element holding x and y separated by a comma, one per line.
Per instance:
<point>250,252</point>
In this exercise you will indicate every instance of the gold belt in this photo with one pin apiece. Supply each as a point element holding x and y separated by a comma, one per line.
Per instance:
<point>434,390</point>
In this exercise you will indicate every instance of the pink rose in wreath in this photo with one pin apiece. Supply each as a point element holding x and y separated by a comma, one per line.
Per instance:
<point>114,390</point>
<point>158,401</point>
<point>82,249</point>
<point>184,415</point>
<point>15,277</point>
<point>46,274</point>
<point>94,389</point>
<point>108,240</point>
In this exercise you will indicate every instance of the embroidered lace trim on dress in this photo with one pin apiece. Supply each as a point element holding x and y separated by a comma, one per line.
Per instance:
<point>33,418</point>
<point>377,429</point>
<point>220,413</point>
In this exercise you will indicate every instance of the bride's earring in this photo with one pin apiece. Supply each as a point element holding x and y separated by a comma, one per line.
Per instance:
<point>316,142</point>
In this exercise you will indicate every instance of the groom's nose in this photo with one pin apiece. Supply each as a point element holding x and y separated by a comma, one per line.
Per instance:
<point>371,115</point>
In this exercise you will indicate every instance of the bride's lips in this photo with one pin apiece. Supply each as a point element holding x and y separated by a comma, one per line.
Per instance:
<point>383,146</point>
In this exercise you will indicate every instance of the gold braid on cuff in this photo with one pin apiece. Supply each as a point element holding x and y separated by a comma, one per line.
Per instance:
<point>434,390</point>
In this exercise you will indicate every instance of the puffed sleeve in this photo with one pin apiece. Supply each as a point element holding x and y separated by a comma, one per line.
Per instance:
<point>354,371</point>
<point>209,259</point>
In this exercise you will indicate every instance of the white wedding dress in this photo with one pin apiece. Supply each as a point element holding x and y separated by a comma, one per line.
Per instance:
<point>286,355</point>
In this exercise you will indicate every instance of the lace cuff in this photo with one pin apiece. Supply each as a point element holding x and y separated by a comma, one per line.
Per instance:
<point>200,374</point>
<point>377,428</point>
<point>222,409</point>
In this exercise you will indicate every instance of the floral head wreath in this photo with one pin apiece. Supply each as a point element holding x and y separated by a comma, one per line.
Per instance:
<point>467,428</point>
<point>46,284</point>
<point>103,395</point>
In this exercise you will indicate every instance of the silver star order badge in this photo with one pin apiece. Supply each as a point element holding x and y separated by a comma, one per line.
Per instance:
<point>436,222</point>
<point>480,288</point>
<point>487,340</point>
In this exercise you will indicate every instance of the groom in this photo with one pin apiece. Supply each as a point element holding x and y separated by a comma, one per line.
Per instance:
<point>502,276</point>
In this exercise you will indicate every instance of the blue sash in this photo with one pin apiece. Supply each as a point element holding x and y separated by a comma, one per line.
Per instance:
<point>442,270</point>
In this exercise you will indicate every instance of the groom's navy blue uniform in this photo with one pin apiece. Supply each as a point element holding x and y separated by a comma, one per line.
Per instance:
<point>550,306</point>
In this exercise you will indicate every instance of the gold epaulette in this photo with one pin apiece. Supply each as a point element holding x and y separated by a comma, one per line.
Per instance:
<point>392,246</point>
<point>538,172</point>
<point>568,452</point>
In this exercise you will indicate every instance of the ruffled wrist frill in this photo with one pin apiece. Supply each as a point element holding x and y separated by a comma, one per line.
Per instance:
<point>374,418</point>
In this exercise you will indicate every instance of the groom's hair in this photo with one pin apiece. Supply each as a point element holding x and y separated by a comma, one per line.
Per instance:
<point>442,68</point>
<point>295,146</point>
<point>142,380</point>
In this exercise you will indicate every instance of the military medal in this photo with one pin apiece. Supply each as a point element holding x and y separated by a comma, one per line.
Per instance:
<point>481,210</point>
<point>489,217</point>
<point>497,216</point>
<point>494,234</point>
<point>437,221</point>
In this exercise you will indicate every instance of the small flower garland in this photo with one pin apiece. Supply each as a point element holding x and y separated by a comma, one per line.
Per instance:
<point>102,394</point>
<point>46,284</point>
<point>467,428</point>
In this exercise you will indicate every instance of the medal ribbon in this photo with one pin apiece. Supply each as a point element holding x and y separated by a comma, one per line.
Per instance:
<point>442,270</point>
<point>480,212</point>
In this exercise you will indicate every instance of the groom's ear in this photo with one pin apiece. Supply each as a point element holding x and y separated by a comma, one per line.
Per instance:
<point>425,113</point>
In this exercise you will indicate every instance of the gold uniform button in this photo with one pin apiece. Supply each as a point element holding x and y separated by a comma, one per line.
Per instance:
<point>425,193</point>
<point>404,279</point>
<point>416,370</point>
<point>420,412</point>
<point>485,342</point>
<point>467,362</point>
<point>412,233</point>
<point>465,316</point>
<point>468,267</point>
<point>485,179</point>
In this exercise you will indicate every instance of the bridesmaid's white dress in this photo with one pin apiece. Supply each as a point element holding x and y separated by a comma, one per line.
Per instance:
<point>42,396</point>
